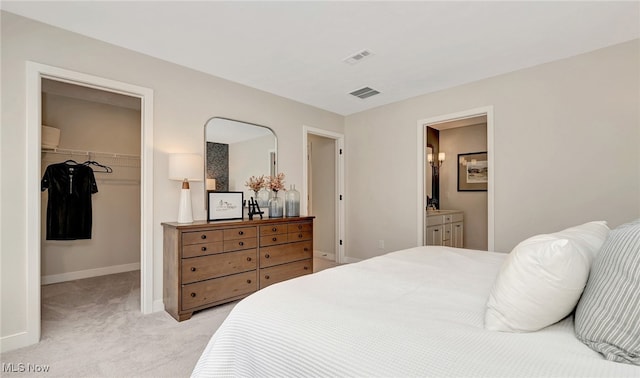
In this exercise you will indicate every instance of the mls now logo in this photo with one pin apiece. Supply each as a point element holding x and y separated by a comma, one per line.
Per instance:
<point>23,368</point>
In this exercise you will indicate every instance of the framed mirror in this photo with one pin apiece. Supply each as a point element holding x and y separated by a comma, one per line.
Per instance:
<point>235,151</point>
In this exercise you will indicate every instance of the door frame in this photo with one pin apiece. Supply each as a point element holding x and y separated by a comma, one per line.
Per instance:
<point>339,190</point>
<point>35,72</point>
<point>422,144</point>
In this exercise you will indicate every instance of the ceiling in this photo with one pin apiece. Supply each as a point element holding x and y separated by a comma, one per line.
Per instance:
<point>296,49</point>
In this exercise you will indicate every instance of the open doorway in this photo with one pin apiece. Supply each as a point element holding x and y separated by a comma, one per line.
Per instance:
<point>467,130</point>
<point>35,74</point>
<point>322,191</point>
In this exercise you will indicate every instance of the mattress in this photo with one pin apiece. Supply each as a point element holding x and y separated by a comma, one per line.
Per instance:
<point>415,312</point>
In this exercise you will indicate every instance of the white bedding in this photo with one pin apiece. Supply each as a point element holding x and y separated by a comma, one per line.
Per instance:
<point>416,312</point>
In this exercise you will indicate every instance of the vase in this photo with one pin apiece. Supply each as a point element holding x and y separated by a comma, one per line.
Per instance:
<point>263,197</point>
<point>292,202</point>
<point>276,206</point>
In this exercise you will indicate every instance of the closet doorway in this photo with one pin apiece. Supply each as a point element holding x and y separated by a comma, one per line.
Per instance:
<point>40,81</point>
<point>322,191</point>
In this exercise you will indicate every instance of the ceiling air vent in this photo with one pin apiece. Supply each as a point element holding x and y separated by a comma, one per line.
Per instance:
<point>357,57</point>
<point>364,92</point>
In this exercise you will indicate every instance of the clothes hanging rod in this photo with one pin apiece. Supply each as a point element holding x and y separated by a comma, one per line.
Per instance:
<point>65,151</point>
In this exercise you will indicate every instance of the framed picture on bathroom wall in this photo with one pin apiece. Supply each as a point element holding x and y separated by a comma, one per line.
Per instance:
<point>224,205</point>
<point>473,172</point>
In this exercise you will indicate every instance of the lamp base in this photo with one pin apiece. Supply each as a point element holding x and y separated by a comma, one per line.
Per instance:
<point>185,212</point>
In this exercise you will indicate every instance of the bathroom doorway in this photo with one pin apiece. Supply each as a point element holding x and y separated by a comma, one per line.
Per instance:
<point>459,133</point>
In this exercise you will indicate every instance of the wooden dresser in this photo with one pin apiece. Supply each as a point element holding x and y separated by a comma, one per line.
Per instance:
<point>210,263</point>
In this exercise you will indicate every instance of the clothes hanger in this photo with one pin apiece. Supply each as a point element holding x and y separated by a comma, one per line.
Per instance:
<point>107,169</point>
<point>70,161</point>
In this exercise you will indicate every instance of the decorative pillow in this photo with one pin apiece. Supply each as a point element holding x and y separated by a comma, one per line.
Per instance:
<point>542,279</point>
<point>608,314</point>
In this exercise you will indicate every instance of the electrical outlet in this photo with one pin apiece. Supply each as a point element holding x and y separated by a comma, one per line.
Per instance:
<point>381,244</point>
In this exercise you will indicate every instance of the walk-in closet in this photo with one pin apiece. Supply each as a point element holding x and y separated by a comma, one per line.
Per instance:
<point>86,127</point>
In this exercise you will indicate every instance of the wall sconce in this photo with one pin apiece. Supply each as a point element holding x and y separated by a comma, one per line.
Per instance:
<point>185,167</point>
<point>441,157</point>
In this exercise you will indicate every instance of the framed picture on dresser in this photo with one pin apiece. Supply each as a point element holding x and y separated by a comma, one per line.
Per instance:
<point>224,205</point>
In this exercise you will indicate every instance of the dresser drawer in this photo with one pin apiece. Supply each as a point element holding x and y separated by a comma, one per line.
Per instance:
<point>240,233</point>
<point>201,237</point>
<point>286,253</point>
<point>218,289</point>
<point>284,272</point>
<point>214,266</point>
<point>236,245</point>
<point>299,236</point>
<point>195,250</point>
<point>273,240</point>
<point>300,226</point>
<point>274,229</point>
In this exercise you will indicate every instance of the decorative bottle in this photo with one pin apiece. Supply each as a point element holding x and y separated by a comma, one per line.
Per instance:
<point>292,202</point>
<point>262,197</point>
<point>276,206</point>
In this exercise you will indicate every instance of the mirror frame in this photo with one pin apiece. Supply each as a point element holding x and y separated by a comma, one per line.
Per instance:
<point>204,173</point>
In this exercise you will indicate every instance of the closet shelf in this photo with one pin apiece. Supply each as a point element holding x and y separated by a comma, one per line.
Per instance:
<point>64,151</point>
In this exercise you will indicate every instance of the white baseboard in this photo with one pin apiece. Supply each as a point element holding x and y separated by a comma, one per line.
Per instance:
<point>351,260</point>
<point>80,274</point>
<point>158,305</point>
<point>15,341</point>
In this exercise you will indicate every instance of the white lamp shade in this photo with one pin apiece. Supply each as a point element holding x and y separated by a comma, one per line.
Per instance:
<point>441,156</point>
<point>186,166</point>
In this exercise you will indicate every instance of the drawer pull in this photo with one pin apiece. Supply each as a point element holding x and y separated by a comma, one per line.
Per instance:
<point>299,227</point>
<point>436,230</point>
<point>306,249</point>
<point>193,295</point>
<point>274,239</point>
<point>193,269</point>
<point>306,268</point>
<point>457,225</point>
<point>203,236</point>
<point>266,277</point>
<point>248,258</point>
<point>274,229</point>
<point>203,249</point>
<point>241,244</point>
<point>267,256</point>
<point>241,233</point>
<point>248,281</point>
<point>300,236</point>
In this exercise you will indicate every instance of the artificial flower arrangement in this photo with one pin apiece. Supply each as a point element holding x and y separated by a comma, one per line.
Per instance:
<point>276,183</point>
<point>256,183</point>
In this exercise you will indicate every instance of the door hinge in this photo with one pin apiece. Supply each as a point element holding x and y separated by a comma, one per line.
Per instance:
<point>340,241</point>
<point>341,151</point>
<point>340,197</point>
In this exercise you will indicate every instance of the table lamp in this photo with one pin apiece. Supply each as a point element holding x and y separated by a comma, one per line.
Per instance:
<point>185,168</point>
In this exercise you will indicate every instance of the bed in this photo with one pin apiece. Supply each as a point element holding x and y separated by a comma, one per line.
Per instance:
<point>415,312</point>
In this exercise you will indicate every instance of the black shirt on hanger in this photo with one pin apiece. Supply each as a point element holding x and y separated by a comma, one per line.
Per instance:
<point>69,208</point>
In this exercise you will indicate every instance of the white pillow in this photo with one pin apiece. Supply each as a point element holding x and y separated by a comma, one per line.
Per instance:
<point>542,279</point>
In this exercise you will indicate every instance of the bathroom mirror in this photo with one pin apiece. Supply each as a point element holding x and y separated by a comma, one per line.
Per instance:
<point>235,151</point>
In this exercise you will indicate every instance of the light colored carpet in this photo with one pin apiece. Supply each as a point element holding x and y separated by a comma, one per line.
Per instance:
<point>94,328</point>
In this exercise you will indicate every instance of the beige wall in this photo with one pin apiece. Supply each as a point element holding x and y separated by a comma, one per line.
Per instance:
<point>567,137</point>
<point>115,239</point>
<point>184,100</point>
<point>461,140</point>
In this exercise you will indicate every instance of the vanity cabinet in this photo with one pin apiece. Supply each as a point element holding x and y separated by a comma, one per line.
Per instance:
<point>445,227</point>
<point>210,263</point>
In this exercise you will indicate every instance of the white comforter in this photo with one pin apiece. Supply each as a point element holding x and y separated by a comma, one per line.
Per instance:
<point>416,312</point>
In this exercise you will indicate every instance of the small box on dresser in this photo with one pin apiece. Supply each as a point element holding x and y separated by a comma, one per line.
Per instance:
<point>210,263</point>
